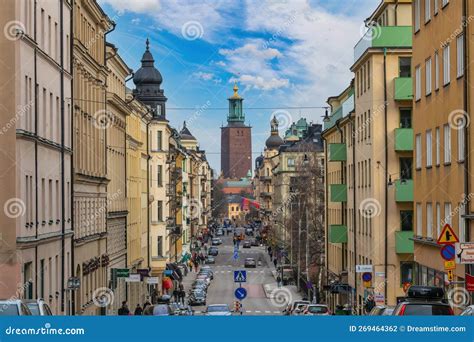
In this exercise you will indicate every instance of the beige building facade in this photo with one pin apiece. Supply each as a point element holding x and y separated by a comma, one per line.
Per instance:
<point>36,135</point>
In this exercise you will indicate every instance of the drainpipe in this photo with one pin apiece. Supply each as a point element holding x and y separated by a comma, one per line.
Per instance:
<point>465,128</point>
<point>386,171</point>
<point>71,205</point>
<point>354,230</point>
<point>326,186</point>
<point>63,191</point>
<point>396,13</point>
<point>36,153</point>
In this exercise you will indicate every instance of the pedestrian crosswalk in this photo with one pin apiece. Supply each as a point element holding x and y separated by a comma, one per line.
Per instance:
<point>258,312</point>
<point>248,272</point>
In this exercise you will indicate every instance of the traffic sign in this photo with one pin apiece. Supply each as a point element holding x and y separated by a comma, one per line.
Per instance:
<point>448,252</point>
<point>240,276</point>
<point>240,293</point>
<point>447,236</point>
<point>366,276</point>
<point>465,253</point>
<point>450,275</point>
<point>364,268</point>
<point>449,265</point>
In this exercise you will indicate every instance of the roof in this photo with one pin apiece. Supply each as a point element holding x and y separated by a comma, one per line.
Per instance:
<point>185,134</point>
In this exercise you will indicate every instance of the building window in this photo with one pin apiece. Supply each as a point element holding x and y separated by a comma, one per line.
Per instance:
<point>159,176</point>
<point>406,272</point>
<point>427,10</point>
<point>418,151</point>
<point>446,65</point>
<point>160,211</point>
<point>417,6</point>
<point>461,148</point>
<point>429,220</point>
<point>437,147</point>
<point>405,117</point>
<point>429,147</point>
<point>406,220</point>
<point>447,213</point>
<point>159,140</point>
<point>404,66</point>
<point>406,165</point>
<point>419,219</point>
<point>436,66</point>
<point>438,219</point>
<point>447,144</point>
<point>460,55</point>
<point>435,6</point>
<point>291,162</point>
<point>428,76</point>
<point>417,83</point>
<point>159,246</point>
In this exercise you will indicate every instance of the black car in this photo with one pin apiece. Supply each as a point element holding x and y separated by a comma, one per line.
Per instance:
<point>247,244</point>
<point>158,310</point>
<point>197,298</point>
<point>249,231</point>
<point>255,243</point>
<point>423,301</point>
<point>214,251</point>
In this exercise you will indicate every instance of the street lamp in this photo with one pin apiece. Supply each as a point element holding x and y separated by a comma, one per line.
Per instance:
<point>326,117</point>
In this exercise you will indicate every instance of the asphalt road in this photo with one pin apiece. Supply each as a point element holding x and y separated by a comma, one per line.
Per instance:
<point>222,288</point>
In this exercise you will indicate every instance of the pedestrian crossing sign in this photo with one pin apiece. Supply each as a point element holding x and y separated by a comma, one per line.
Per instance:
<point>240,276</point>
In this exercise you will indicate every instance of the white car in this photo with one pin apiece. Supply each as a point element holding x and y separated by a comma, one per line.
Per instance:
<point>218,310</point>
<point>316,310</point>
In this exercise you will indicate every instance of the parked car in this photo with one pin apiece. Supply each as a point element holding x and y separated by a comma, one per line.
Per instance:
<point>13,307</point>
<point>214,251</point>
<point>250,262</point>
<point>210,260</point>
<point>247,244</point>
<point>381,310</point>
<point>289,310</point>
<point>255,243</point>
<point>38,307</point>
<point>158,310</point>
<point>316,310</point>
<point>197,298</point>
<point>204,277</point>
<point>206,271</point>
<point>216,241</point>
<point>249,231</point>
<point>468,311</point>
<point>219,232</point>
<point>423,301</point>
<point>218,310</point>
<point>185,310</point>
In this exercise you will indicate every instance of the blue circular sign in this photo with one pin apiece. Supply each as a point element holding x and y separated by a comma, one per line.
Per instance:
<point>367,276</point>
<point>240,293</point>
<point>448,252</point>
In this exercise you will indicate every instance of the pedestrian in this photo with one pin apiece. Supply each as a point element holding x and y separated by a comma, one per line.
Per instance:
<point>369,304</point>
<point>182,295</point>
<point>191,264</point>
<point>205,248</point>
<point>196,265</point>
<point>138,310</point>
<point>123,311</point>
<point>275,262</point>
<point>279,281</point>
<point>176,295</point>
<point>146,304</point>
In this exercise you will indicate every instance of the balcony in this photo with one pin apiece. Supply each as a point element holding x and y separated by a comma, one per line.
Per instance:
<point>404,190</point>
<point>338,192</point>
<point>403,242</point>
<point>403,89</point>
<point>337,233</point>
<point>404,139</point>
<point>265,178</point>
<point>384,36</point>
<point>265,194</point>
<point>337,152</point>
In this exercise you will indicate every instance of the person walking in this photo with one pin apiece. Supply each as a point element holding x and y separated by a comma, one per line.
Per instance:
<point>191,265</point>
<point>123,311</point>
<point>138,310</point>
<point>147,303</point>
<point>279,281</point>
<point>275,262</point>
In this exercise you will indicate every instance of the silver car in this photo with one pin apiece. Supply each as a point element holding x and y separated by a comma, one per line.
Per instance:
<point>38,307</point>
<point>218,310</point>
<point>13,307</point>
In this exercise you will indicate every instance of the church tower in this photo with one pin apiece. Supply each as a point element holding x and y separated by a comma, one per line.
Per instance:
<point>236,140</point>
<point>147,82</point>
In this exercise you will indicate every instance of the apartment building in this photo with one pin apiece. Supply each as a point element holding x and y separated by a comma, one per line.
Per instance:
<point>442,101</point>
<point>35,244</point>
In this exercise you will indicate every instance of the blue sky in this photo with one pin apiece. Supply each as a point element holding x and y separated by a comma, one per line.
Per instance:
<point>283,53</point>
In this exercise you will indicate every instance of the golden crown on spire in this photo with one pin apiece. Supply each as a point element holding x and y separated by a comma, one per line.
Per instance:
<point>236,91</point>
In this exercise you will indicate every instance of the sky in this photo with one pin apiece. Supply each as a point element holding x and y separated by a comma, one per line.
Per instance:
<point>282,53</point>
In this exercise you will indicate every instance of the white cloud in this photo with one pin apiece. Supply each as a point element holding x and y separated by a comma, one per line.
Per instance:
<point>206,76</point>
<point>258,82</point>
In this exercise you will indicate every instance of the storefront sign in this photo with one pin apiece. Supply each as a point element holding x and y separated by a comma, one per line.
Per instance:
<point>469,282</point>
<point>133,278</point>
<point>379,298</point>
<point>465,253</point>
<point>152,280</point>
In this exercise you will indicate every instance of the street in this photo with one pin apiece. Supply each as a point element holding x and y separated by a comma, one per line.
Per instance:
<point>221,290</point>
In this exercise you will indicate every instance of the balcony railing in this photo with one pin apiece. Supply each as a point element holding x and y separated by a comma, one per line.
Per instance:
<point>337,152</point>
<point>404,139</point>
<point>338,192</point>
<point>337,233</point>
<point>404,242</point>
<point>403,89</point>
<point>404,190</point>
